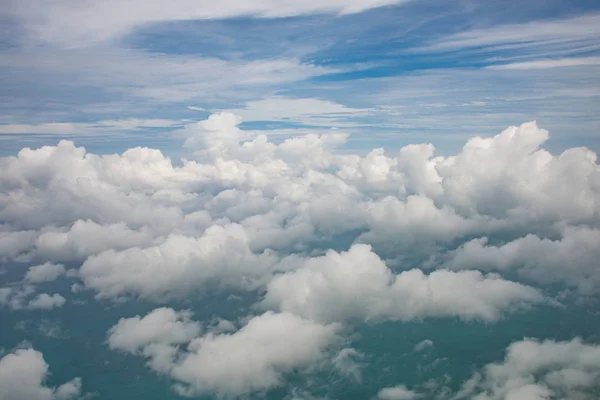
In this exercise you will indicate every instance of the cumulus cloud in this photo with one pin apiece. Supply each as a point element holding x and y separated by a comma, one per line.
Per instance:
<point>15,243</point>
<point>46,272</point>
<point>537,370</point>
<point>572,259</point>
<point>85,238</point>
<point>271,345</point>
<point>162,325</point>
<point>400,392</point>
<point>16,298</point>
<point>179,266</point>
<point>23,374</point>
<point>358,285</point>
<point>45,301</point>
<point>230,217</point>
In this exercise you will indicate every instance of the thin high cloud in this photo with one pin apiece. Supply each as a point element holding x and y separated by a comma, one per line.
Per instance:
<point>94,66</point>
<point>73,24</point>
<point>566,33</point>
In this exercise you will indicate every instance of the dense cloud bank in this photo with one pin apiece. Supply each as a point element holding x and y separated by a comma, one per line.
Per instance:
<point>323,239</point>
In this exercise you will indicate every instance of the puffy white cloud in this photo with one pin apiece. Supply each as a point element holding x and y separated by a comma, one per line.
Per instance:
<point>510,176</point>
<point>45,301</point>
<point>400,392</point>
<point>15,243</point>
<point>23,374</point>
<point>179,266</point>
<point>145,227</point>
<point>85,238</point>
<point>162,325</point>
<point>46,272</point>
<point>537,370</point>
<point>15,298</point>
<point>571,260</point>
<point>270,344</point>
<point>69,390</point>
<point>358,285</point>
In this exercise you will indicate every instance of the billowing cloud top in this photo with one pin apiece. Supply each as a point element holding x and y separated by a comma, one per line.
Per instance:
<point>319,241</point>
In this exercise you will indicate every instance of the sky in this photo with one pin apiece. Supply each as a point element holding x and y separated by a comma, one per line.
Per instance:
<point>116,74</point>
<point>316,200</point>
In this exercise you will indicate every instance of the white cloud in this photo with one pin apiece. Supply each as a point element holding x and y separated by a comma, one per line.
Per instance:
<point>80,129</point>
<point>400,392</point>
<point>15,298</point>
<point>123,74</point>
<point>161,325</point>
<point>550,63</point>
<point>572,260</point>
<point>424,345</point>
<point>46,301</point>
<point>46,272</point>
<point>358,285</point>
<point>71,23</point>
<point>15,243</point>
<point>270,345</point>
<point>145,227</point>
<point>537,370</point>
<point>307,111</point>
<point>348,364</point>
<point>575,31</point>
<point>179,266</point>
<point>23,374</point>
<point>85,238</point>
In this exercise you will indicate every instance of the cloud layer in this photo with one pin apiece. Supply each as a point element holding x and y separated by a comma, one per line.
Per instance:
<point>318,240</point>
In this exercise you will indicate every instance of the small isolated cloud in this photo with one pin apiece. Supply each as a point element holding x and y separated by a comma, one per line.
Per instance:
<point>400,392</point>
<point>46,272</point>
<point>23,374</point>
<point>271,345</point>
<point>45,301</point>
<point>424,345</point>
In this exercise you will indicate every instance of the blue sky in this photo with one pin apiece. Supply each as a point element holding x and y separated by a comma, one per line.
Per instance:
<point>113,75</point>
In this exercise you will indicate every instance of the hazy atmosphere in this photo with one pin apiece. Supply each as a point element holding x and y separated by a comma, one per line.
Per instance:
<point>299,200</point>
